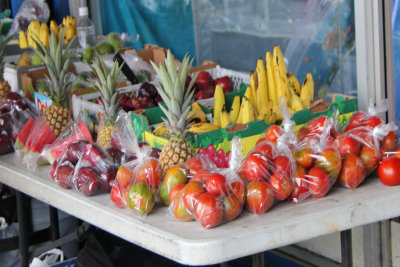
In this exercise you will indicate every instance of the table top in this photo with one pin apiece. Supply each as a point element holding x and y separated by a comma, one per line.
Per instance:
<point>188,243</point>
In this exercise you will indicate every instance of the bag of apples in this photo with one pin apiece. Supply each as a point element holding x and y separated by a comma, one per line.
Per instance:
<point>318,163</point>
<point>360,150</point>
<point>138,179</point>
<point>211,196</point>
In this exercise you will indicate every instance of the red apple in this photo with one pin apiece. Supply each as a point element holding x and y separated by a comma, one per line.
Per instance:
<point>203,80</point>
<point>86,181</point>
<point>225,82</point>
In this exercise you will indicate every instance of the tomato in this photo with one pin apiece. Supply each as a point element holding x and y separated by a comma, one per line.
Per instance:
<point>264,149</point>
<point>201,176</point>
<point>150,173</point>
<point>174,191</point>
<point>216,185</point>
<point>300,190</point>
<point>124,176</point>
<point>141,198</point>
<point>303,132</point>
<point>357,118</point>
<point>282,164</point>
<point>347,144</point>
<point>232,207</point>
<point>261,140</point>
<point>330,161</point>
<point>304,157</point>
<point>389,171</point>
<point>117,196</point>
<point>372,122</point>
<point>350,127</point>
<point>281,184</point>
<point>389,142</point>
<point>208,210</point>
<point>353,171</point>
<point>273,132</point>
<point>370,157</point>
<point>194,164</point>
<point>237,188</point>
<point>316,125</point>
<point>259,197</point>
<point>190,193</point>
<point>178,208</point>
<point>318,182</point>
<point>255,167</point>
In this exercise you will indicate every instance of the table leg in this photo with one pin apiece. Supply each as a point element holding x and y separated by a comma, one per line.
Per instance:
<point>258,260</point>
<point>347,255</point>
<point>23,229</point>
<point>54,226</point>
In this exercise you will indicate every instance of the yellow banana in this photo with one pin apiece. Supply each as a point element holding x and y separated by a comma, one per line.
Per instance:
<point>161,130</point>
<point>196,106</point>
<point>225,119</point>
<point>53,26</point>
<point>266,111</point>
<point>248,112</point>
<point>294,84</point>
<point>203,127</point>
<point>307,90</point>
<point>280,73</point>
<point>44,34</point>
<point>250,96</point>
<point>219,102</point>
<point>296,103</point>
<point>277,111</point>
<point>239,119</point>
<point>272,88</point>
<point>196,115</point>
<point>23,42</point>
<point>261,86</point>
<point>235,109</point>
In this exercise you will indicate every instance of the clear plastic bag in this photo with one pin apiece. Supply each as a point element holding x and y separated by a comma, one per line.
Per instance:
<point>28,11</point>
<point>318,164</point>
<point>214,197</point>
<point>137,180</point>
<point>370,119</point>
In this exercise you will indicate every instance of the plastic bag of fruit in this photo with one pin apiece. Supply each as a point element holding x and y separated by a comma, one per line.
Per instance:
<point>196,168</point>
<point>138,179</point>
<point>318,163</point>
<point>214,197</point>
<point>360,150</point>
<point>370,119</point>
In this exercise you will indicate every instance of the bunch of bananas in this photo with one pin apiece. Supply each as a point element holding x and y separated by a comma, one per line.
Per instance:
<point>41,31</point>
<point>270,82</point>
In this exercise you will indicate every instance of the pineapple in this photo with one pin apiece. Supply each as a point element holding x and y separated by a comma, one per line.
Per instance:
<point>105,82</point>
<point>57,63</point>
<point>4,86</point>
<point>178,104</point>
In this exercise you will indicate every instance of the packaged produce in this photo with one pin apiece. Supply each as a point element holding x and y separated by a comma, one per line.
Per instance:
<point>368,119</point>
<point>138,179</point>
<point>360,150</point>
<point>212,196</point>
<point>318,164</point>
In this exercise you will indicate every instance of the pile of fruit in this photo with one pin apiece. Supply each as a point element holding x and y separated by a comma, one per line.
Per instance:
<point>205,85</point>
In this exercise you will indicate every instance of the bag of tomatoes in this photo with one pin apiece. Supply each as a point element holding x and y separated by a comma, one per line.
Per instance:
<point>360,150</point>
<point>318,164</point>
<point>370,119</point>
<point>195,168</point>
<point>138,179</point>
<point>211,196</point>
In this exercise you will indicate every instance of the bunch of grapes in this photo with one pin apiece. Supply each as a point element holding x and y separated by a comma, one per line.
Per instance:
<point>220,159</point>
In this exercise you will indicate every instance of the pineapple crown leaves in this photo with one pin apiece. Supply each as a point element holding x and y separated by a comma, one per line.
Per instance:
<point>3,42</point>
<point>57,63</point>
<point>105,83</point>
<point>173,93</point>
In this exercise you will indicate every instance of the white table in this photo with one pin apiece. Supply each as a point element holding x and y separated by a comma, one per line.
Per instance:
<point>188,242</point>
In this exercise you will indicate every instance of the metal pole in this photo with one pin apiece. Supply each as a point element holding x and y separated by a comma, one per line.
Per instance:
<point>54,227</point>
<point>347,255</point>
<point>258,260</point>
<point>23,229</point>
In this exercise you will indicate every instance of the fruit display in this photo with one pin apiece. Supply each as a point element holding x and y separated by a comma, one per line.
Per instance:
<point>57,62</point>
<point>37,31</point>
<point>211,196</point>
<point>146,97</point>
<point>112,43</point>
<point>4,86</point>
<point>318,164</point>
<point>105,84</point>
<point>206,85</point>
<point>178,103</point>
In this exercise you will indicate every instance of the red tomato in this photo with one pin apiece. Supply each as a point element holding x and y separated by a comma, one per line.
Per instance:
<point>174,191</point>
<point>201,176</point>
<point>237,188</point>
<point>208,210</point>
<point>190,193</point>
<point>389,171</point>
<point>150,173</point>
<point>194,164</point>
<point>255,167</point>
<point>318,182</point>
<point>303,133</point>
<point>353,171</point>
<point>300,190</point>
<point>372,122</point>
<point>370,157</point>
<point>389,142</point>
<point>282,164</point>
<point>117,196</point>
<point>259,197</point>
<point>273,132</point>
<point>281,184</point>
<point>347,144</point>
<point>316,125</point>
<point>216,185</point>
<point>261,140</point>
<point>232,207</point>
<point>357,118</point>
<point>264,149</point>
<point>304,157</point>
<point>330,161</point>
